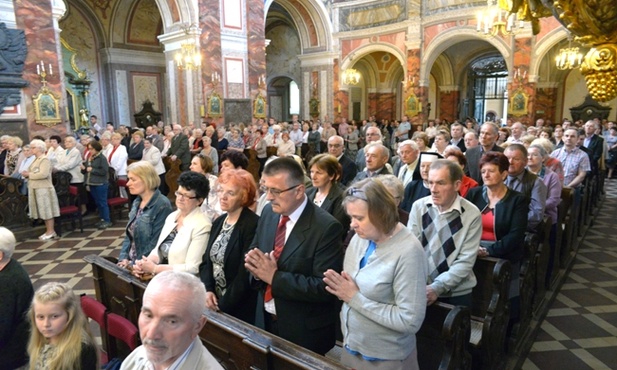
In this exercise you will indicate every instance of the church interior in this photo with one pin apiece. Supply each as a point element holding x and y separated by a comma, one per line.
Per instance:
<point>135,62</point>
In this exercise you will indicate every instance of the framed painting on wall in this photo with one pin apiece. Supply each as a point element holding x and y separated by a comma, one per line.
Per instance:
<point>259,107</point>
<point>518,104</point>
<point>215,108</point>
<point>46,108</point>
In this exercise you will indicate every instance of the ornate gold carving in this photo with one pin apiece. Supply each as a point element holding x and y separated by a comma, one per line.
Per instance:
<point>46,107</point>
<point>600,71</point>
<point>81,74</point>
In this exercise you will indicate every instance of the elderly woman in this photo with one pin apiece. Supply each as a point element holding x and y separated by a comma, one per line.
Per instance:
<point>233,159</point>
<point>97,174</point>
<point>71,163</point>
<point>16,294</point>
<point>442,139</point>
<point>222,269</point>
<point>25,160</point>
<point>167,143</point>
<point>184,236</point>
<point>504,219</point>
<point>383,283</point>
<point>422,139</point>
<point>314,138</point>
<point>417,189</point>
<point>395,186</point>
<point>203,165</point>
<point>285,147</point>
<point>549,162</point>
<point>118,159</point>
<point>261,147</point>
<point>455,155</point>
<point>326,192</point>
<point>148,213</point>
<point>211,152</point>
<point>152,155</point>
<point>221,134</point>
<point>236,142</point>
<point>42,199</point>
<point>136,148</point>
<point>13,151</point>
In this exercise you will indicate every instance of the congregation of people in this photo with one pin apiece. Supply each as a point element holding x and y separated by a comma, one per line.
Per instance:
<point>352,228</point>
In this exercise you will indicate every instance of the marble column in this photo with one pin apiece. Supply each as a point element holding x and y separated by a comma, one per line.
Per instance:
<point>256,45</point>
<point>40,19</point>
<point>211,54</point>
<point>415,86</point>
<point>523,85</point>
<point>448,102</point>
<point>546,101</point>
<point>341,97</point>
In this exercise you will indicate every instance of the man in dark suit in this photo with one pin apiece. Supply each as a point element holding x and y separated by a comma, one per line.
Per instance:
<point>489,133</point>
<point>336,146</point>
<point>457,133</point>
<point>179,148</point>
<point>406,167</point>
<point>157,140</point>
<point>295,243</point>
<point>376,159</point>
<point>594,143</point>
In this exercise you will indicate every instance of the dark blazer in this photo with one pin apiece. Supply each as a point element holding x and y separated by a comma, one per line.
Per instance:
<point>413,191</point>
<point>473,156</point>
<point>136,151</point>
<point>364,174</point>
<point>460,145</point>
<point>396,167</point>
<point>349,170</point>
<point>180,148</point>
<point>307,313</point>
<point>333,204</point>
<point>510,222</point>
<point>239,299</point>
<point>596,147</point>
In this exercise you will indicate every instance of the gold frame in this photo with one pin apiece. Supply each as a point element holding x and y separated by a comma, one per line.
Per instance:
<point>412,105</point>
<point>215,110</point>
<point>259,106</point>
<point>46,107</point>
<point>519,96</point>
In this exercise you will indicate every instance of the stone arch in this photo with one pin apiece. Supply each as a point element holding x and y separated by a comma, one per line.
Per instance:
<point>362,51</point>
<point>93,21</point>
<point>544,46</point>
<point>456,36</point>
<point>444,67</point>
<point>311,20</point>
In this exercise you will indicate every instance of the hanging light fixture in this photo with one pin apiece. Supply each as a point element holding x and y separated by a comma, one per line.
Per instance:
<point>494,21</point>
<point>188,57</point>
<point>569,58</point>
<point>351,76</point>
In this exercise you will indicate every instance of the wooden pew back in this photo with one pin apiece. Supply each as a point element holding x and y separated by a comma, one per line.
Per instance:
<point>13,204</point>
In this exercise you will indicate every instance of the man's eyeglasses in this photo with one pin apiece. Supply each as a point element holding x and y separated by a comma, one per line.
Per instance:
<point>356,193</point>
<point>184,196</point>
<point>275,192</point>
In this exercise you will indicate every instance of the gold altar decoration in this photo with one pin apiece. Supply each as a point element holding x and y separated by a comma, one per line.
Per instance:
<point>351,76</point>
<point>413,105</point>
<point>519,102</point>
<point>259,106</point>
<point>188,57</point>
<point>594,24</point>
<point>46,104</point>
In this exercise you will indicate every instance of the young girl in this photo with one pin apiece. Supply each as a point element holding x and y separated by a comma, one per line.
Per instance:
<point>60,337</point>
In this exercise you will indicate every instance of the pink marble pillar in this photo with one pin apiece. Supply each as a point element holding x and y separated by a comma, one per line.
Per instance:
<point>448,103</point>
<point>210,44</point>
<point>520,82</point>
<point>546,107</point>
<point>256,45</point>
<point>414,62</point>
<point>35,17</point>
<point>341,98</point>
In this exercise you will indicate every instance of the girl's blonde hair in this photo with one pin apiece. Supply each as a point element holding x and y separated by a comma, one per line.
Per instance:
<point>76,334</point>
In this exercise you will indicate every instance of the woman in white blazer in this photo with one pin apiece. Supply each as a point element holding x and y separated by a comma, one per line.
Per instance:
<point>184,236</point>
<point>152,154</point>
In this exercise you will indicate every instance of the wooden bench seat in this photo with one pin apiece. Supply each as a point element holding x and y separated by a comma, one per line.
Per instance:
<point>490,312</point>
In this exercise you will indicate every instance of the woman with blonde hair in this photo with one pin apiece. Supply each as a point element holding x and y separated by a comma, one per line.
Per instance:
<point>13,146</point>
<point>60,337</point>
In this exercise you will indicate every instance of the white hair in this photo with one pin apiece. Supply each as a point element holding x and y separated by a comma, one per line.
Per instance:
<point>7,242</point>
<point>183,281</point>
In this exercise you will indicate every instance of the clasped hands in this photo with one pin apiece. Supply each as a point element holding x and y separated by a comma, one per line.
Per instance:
<point>261,265</point>
<point>146,265</point>
<point>341,285</point>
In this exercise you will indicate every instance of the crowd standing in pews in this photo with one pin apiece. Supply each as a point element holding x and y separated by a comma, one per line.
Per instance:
<point>510,176</point>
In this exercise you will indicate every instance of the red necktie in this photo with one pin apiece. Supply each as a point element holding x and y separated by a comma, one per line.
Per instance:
<point>279,243</point>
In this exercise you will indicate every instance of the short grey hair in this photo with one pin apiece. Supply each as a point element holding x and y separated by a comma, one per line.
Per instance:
<point>411,143</point>
<point>183,281</point>
<point>40,144</point>
<point>7,242</point>
<point>394,186</point>
<point>378,145</point>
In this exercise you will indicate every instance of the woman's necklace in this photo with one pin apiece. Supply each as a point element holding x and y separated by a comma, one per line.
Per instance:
<point>227,226</point>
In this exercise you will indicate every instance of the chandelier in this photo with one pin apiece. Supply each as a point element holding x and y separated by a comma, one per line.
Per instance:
<point>569,58</point>
<point>494,21</point>
<point>351,76</point>
<point>188,57</point>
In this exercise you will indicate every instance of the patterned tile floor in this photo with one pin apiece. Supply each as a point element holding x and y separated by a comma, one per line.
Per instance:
<point>580,329</point>
<point>579,332</point>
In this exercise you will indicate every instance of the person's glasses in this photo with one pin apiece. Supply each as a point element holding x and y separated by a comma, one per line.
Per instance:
<point>183,196</point>
<point>356,193</point>
<point>275,192</point>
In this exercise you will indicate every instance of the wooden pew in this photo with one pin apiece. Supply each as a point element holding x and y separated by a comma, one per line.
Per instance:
<point>443,338</point>
<point>543,254</point>
<point>171,177</point>
<point>529,267</point>
<point>13,204</point>
<point>490,312</point>
<point>562,210</point>
<point>253,167</point>
<point>236,344</point>
<point>570,228</point>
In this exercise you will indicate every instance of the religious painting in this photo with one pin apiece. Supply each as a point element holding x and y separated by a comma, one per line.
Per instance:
<point>46,108</point>
<point>518,104</point>
<point>314,107</point>
<point>215,106</point>
<point>412,105</point>
<point>259,107</point>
